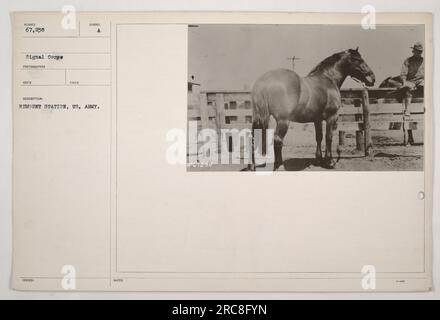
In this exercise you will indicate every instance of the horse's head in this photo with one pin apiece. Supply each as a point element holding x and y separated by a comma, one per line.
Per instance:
<point>357,68</point>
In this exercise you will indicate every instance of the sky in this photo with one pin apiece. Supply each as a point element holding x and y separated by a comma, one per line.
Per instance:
<point>232,57</point>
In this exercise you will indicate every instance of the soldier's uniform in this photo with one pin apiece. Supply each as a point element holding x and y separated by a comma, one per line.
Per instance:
<point>413,69</point>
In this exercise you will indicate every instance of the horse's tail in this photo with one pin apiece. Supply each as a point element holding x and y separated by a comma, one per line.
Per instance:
<point>260,121</point>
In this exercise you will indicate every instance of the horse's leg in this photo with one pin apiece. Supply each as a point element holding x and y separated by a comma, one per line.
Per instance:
<point>318,137</point>
<point>258,124</point>
<point>251,167</point>
<point>331,124</point>
<point>280,133</point>
<point>407,134</point>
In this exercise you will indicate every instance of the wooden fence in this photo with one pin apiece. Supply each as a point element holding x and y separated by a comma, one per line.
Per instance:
<point>363,111</point>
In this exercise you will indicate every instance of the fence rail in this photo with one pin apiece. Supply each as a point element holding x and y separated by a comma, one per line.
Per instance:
<point>362,111</point>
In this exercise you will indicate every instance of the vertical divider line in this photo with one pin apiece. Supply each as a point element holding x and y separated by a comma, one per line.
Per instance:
<point>111,155</point>
<point>116,149</point>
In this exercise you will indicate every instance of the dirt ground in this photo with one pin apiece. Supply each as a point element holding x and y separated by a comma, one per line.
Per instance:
<point>389,153</point>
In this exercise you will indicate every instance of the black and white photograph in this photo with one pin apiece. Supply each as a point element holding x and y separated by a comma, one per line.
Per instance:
<point>305,97</point>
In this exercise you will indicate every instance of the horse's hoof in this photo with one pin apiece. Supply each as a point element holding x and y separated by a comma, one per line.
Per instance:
<point>280,168</point>
<point>318,162</point>
<point>329,164</point>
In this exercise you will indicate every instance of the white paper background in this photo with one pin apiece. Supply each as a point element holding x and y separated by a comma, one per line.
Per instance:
<point>5,126</point>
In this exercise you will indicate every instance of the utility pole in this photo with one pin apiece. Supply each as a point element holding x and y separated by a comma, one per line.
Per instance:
<point>293,61</point>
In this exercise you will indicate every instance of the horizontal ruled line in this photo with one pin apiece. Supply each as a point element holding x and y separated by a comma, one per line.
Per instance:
<point>68,37</point>
<point>93,69</point>
<point>52,52</point>
<point>65,85</point>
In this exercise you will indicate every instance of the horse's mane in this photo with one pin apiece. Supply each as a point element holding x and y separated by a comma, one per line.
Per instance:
<point>326,63</point>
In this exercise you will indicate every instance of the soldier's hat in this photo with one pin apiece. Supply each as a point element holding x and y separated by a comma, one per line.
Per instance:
<point>417,46</point>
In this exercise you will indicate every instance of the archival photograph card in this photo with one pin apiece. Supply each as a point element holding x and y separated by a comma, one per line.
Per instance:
<point>222,151</point>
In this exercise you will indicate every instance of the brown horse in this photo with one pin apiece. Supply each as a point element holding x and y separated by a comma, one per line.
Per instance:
<point>315,98</point>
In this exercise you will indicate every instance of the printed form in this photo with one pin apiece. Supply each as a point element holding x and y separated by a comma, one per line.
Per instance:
<point>99,98</point>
